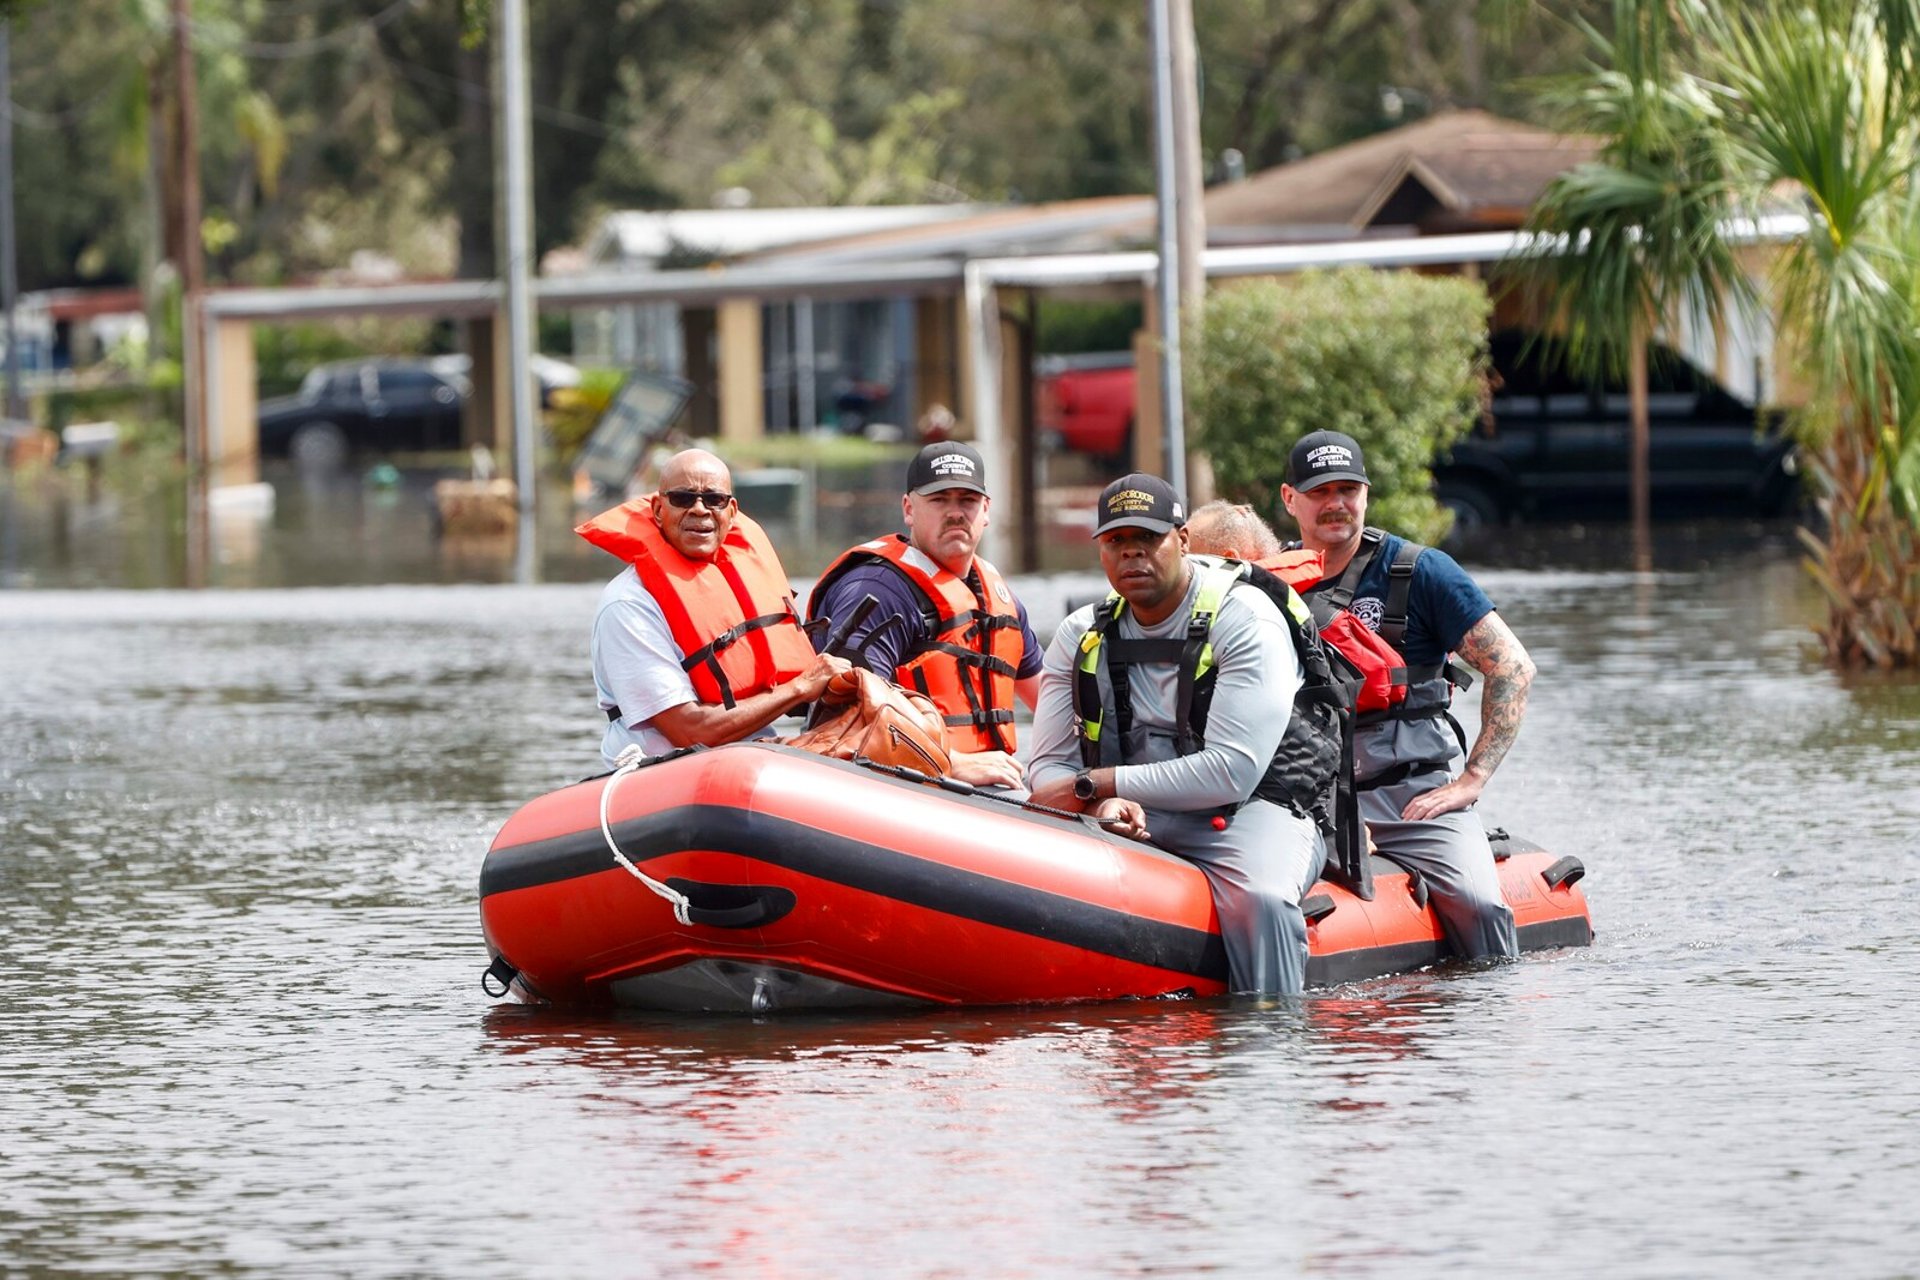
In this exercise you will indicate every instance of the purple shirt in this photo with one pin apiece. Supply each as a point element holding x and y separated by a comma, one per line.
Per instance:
<point>880,644</point>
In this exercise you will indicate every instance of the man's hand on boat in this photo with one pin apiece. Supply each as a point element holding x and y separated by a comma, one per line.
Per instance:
<point>1122,817</point>
<point>988,769</point>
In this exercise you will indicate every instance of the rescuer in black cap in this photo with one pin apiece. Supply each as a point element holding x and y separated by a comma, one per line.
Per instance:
<point>1170,707</point>
<point>947,625</point>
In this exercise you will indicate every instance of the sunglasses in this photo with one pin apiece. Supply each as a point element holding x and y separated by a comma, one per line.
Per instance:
<point>683,499</point>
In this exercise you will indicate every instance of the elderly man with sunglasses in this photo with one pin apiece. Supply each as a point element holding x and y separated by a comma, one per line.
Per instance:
<point>697,642</point>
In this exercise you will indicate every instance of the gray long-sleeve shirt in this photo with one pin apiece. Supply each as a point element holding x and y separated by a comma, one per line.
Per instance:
<point>1259,675</point>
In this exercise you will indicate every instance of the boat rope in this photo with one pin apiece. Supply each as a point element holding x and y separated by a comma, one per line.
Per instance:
<point>630,759</point>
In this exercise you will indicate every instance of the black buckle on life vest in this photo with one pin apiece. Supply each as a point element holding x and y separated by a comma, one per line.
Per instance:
<point>708,654</point>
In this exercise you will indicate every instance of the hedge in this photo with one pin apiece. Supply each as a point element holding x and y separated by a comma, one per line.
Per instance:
<point>1397,361</point>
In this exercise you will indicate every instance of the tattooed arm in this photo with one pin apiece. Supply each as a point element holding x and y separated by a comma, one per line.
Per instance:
<point>1506,671</point>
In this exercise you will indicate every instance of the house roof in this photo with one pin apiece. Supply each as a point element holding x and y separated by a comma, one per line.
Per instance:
<point>641,237</point>
<point>1459,171</point>
<point>1063,226</point>
<point>1452,171</point>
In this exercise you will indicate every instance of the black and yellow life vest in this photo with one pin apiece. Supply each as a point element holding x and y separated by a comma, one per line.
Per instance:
<point>1311,770</point>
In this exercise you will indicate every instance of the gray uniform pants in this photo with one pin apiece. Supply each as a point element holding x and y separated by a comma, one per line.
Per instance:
<point>1452,855</point>
<point>1259,868</point>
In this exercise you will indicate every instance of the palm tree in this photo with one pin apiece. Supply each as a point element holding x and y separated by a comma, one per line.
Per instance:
<point>1824,99</point>
<point>1633,237</point>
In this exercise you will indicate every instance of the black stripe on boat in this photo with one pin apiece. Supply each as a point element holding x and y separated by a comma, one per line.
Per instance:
<point>870,868</point>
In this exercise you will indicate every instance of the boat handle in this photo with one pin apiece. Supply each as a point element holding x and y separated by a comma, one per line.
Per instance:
<point>733,906</point>
<point>1564,873</point>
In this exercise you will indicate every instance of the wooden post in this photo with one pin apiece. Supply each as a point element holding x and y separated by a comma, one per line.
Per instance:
<point>697,358</point>
<point>483,419</point>
<point>1015,493</point>
<point>934,356</point>
<point>1148,430</point>
<point>743,410</point>
<point>233,409</point>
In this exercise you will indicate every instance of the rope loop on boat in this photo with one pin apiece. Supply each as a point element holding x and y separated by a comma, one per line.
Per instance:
<point>630,759</point>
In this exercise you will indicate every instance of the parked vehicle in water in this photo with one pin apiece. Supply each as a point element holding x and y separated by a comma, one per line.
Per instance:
<point>1551,443</point>
<point>1085,403</point>
<point>1554,443</point>
<point>549,375</point>
<point>364,406</point>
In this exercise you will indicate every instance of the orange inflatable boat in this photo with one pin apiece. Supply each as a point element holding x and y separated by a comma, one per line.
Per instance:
<point>755,877</point>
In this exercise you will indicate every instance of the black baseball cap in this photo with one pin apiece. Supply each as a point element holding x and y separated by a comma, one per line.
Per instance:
<point>1322,457</point>
<point>1139,501</point>
<point>946,465</point>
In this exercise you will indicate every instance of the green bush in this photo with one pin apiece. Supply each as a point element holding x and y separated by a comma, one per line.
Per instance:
<point>1395,360</point>
<point>1070,325</point>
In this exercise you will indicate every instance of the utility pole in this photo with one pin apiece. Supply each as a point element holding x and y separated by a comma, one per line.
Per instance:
<point>9,275</point>
<point>1166,203</point>
<point>192,268</point>
<point>9,288</point>
<point>1197,471</point>
<point>1182,229</point>
<point>516,166</point>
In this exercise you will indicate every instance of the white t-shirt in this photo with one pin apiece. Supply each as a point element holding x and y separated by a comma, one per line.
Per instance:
<point>636,667</point>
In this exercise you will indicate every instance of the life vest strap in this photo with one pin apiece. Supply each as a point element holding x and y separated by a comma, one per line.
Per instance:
<point>1385,714</point>
<point>981,719</point>
<point>985,622</point>
<point>970,658</point>
<point>1400,773</point>
<point>708,654</point>
<point>1146,652</point>
<point>1340,594</point>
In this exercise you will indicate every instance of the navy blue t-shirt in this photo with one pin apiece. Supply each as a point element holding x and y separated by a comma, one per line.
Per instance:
<point>899,599</point>
<point>1443,603</point>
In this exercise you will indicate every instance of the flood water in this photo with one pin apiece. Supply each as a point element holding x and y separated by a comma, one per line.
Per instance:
<point>242,1030</point>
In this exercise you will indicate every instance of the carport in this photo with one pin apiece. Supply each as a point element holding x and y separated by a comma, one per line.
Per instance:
<point>974,325</point>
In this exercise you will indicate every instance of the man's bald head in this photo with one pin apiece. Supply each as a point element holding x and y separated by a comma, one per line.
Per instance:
<point>689,466</point>
<point>701,482</point>
<point>1231,529</point>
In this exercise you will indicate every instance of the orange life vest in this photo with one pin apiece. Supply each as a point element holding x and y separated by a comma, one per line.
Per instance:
<point>1298,568</point>
<point>732,616</point>
<point>968,667</point>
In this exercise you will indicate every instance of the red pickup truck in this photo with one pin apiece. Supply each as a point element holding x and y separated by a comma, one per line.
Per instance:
<point>1085,403</point>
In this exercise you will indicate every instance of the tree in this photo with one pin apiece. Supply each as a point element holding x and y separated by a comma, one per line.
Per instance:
<point>1823,97</point>
<point>1395,360</point>
<point>1634,238</point>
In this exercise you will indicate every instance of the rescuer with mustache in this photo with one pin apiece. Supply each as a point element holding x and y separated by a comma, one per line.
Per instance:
<point>947,624</point>
<point>1417,778</point>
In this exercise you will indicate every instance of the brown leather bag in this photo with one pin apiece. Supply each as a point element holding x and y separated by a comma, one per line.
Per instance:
<point>861,715</point>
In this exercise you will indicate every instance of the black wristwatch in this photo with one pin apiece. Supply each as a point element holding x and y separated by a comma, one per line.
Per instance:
<point>1083,788</point>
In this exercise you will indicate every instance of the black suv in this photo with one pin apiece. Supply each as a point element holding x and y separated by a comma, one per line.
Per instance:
<point>1556,445</point>
<point>364,406</point>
